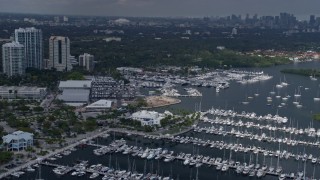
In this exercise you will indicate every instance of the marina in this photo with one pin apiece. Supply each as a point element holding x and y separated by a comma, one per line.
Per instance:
<point>190,160</point>
<point>270,137</point>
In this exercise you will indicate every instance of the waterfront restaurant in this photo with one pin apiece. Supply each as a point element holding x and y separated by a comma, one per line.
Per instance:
<point>17,141</point>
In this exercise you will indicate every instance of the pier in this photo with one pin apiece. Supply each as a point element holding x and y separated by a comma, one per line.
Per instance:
<point>196,160</point>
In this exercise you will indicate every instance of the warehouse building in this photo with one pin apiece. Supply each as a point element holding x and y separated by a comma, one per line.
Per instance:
<point>75,92</point>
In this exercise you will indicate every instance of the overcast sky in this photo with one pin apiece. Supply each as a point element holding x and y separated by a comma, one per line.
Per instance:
<point>302,8</point>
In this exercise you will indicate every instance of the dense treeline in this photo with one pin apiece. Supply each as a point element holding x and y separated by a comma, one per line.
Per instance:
<point>140,48</point>
<point>41,78</point>
<point>303,72</point>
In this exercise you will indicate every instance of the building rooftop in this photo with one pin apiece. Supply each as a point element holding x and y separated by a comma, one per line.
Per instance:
<point>13,44</point>
<point>28,29</point>
<point>144,114</point>
<point>75,95</point>
<point>75,84</point>
<point>100,104</point>
<point>21,88</point>
<point>17,135</point>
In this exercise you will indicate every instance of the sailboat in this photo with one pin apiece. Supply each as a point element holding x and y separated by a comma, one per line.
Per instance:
<point>272,92</point>
<point>298,93</point>
<point>313,77</point>
<point>317,98</point>
<point>271,168</point>
<point>39,178</point>
<point>295,102</point>
<point>285,98</point>
<point>264,166</point>
<point>284,83</point>
<point>256,94</point>
<point>246,101</point>
<point>279,168</point>
<point>279,85</point>
<point>299,105</point>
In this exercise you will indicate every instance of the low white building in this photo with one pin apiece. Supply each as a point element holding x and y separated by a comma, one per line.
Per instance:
<point>22,92</point>
<point>18,140</point>
<point>149,118</point>
<point>100,105</point>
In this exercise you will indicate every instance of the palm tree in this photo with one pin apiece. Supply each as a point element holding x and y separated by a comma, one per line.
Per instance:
<point>15,94</point>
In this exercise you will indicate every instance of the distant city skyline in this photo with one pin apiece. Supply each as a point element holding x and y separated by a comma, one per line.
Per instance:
<point>162,8</point>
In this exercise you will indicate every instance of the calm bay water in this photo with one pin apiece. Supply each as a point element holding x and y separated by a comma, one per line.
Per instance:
<point>227,99</point>
<point>231,98</point>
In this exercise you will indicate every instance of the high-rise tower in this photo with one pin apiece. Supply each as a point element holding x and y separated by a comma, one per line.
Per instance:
<point>13,59</point>
<point>59,53</point>
<point>31,39</point>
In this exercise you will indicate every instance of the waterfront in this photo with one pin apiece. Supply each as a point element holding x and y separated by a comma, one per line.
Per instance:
<point>231,98</point>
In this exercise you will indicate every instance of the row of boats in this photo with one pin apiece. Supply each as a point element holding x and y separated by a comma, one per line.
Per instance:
<point>207,79</point>
<point>311,132</point>
<point>245,115</point>
<point>238,147</point>
<point>118,146</point>
<point>32,168</point>
<point>262,138</point>
<point>198,160</point>
<point>254,79</point>
<point>108,173</point>
<point>168,91</point>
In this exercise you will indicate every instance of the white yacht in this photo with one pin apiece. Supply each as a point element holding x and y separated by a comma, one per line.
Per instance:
<point>30,169</point>
<point>313,78</point>
<point>282,177</point>
<point>93,175</point>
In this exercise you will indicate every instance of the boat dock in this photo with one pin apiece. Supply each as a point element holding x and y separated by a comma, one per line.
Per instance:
<point>187,159</point>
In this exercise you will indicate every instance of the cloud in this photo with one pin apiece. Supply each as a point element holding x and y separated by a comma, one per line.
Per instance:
<point>122,2</point>
<point>160,7</point>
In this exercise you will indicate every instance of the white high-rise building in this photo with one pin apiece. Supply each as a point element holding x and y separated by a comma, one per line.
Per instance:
<point>13,59</point>
<point>86,60</point>
<point>59,53</point>
<point>65,19</point>
<point>31,39</point>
